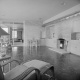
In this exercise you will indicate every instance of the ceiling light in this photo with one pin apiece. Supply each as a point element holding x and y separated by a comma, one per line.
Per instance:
<point>67,17</point>
<point>71,16</point>
<point>75,14</point>
<point>79,13</point>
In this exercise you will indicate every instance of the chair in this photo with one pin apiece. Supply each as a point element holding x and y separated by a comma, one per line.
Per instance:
<point>32,70</point>
<point>46,69</point>
<point>20,72</point>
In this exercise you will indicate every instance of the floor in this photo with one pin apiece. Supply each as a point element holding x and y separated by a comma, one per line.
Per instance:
<point>66,66</point>
<point>17,44</point>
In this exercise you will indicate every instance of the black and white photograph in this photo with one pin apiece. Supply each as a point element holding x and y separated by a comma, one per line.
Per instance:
<point>39,39</point>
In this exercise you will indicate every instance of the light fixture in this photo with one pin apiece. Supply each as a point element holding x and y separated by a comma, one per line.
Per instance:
<point>75,14</point>
<point>67,17</point>
<point>71,16</point>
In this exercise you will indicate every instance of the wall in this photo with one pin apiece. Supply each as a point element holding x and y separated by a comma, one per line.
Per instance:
<point>59,30</point>
<point>50,37</point>
<point>75,44</point>
<point>75,47</point>
<point>64,29</point>
<point>31,31</point>
<point>51,43</point>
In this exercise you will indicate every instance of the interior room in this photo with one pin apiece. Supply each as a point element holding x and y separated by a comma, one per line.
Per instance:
<point>46,30</point>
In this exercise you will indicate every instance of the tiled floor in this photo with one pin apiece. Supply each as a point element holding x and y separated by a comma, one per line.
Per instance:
<point>67,66</point>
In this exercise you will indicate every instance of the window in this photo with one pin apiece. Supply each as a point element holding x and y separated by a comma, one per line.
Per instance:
<point>14,34</point>
<point>5,29</point>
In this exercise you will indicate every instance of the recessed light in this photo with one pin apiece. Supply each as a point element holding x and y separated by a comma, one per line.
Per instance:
<point>67,17</point>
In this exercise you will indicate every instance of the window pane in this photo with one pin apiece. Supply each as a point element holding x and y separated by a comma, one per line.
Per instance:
<point>14,34</point>
<point>5,29</point>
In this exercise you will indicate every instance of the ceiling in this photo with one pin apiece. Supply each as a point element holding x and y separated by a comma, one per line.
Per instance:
<point>33,10</point>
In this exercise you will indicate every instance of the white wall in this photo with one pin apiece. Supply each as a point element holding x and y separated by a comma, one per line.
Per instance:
<point>31,32</point>
<point>75,44</point>
<point>76,24</point>
<point>75,47</point>
<point>51,43</point>
<point>64,29</point>
<point>60,30</point>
